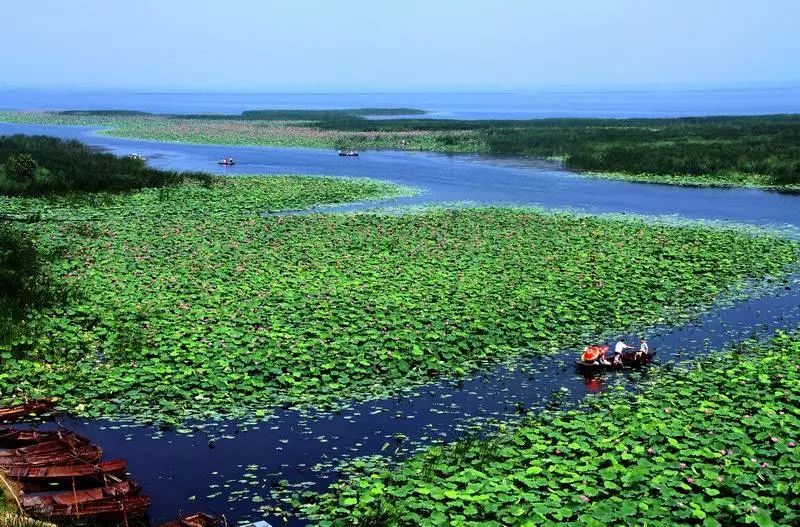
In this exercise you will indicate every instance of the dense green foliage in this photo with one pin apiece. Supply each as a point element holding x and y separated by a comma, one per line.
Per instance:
<point>754,151</point>
<point>23,285</point>
<point>37,165</point>
<point>190,303</point>
<point>20,168</point>
<point>714,445</point>
<point>717,146</point>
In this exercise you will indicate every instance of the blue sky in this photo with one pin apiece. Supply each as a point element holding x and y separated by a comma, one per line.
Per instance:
<point>404,45</point>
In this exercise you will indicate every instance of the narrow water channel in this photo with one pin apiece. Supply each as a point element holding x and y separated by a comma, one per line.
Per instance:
<point>233,474</point>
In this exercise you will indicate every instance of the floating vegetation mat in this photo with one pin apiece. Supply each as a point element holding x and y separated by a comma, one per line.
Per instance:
<point>187,303</point>
<point>713,443</point>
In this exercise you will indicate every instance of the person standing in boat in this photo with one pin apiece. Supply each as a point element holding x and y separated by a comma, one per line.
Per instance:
<point>619,349</point>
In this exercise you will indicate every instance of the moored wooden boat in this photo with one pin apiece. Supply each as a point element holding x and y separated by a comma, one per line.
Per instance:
<point>74,456</point>
<point>348,153</point>
<point>17,438</point>
<point>60,442</point>
<point>201,519</point>
<point>45,502</point>
<point>67,473</point>
<point>37,407</point>
<point>629,360</point>
<point>113,507</point>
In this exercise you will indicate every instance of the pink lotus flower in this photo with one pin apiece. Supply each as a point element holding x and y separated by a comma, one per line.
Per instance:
<point>651,451</point>
<point>690,481</point>
<point>792,444</point>
<point>775,439</point>
<point>585,498</point>
<point>683,465</point>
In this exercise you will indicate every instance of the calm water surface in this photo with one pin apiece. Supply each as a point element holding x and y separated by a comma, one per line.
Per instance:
<point>516,104</point>
<point>182,473</point>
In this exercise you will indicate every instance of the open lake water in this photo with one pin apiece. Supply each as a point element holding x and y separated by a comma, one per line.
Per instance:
<point>233,475</point>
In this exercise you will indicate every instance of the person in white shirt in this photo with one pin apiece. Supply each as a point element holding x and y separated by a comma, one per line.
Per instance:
<point>619,348</point>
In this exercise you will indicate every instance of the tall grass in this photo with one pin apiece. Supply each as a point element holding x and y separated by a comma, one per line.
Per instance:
<point>70,166</point>
<point>761,145</point>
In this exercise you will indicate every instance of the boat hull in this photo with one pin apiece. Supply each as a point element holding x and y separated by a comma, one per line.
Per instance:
<point>66,473</point>
<point>628,361</point>
<point>15,413</point>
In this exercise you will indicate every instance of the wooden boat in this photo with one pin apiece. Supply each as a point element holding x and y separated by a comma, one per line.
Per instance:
<point>45,502</point>
<point>629,360</point>
<point>37,407</point>
<point>109,507</point>
<point>125,507</point>
<point>67,473</point>
<point>201,519</point>
<point>62,442</point>
<point>226,162</point>
<point>74,456</point>
<point>348,153</point>
<point>17,438</point>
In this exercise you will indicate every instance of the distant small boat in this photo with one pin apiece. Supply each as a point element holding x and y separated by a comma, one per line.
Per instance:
<point>135,156</point>
<point>228,161</point>
<point>348,153</point>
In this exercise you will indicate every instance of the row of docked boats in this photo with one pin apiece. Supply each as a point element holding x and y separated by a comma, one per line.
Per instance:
<point>59,476</point>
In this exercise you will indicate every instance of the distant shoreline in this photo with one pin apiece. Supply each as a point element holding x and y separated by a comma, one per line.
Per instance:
<point>728,151</point>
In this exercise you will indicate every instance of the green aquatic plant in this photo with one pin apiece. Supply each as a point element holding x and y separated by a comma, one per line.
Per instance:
<point>187,302</point>
<point>714,443</point>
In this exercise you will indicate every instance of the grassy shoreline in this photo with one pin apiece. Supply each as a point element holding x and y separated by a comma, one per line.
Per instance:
<point>751,181</point>
<point>752,151</point>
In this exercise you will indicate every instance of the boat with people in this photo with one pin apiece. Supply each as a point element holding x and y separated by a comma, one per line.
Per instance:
<point>226,161</point>
<point>629,360</point>
<point>348,153</point>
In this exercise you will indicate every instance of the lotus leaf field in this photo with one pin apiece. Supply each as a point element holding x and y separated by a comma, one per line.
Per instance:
<point>713,443</point>
<point>187,302</point>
